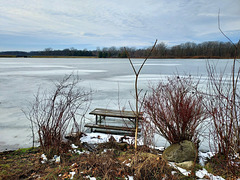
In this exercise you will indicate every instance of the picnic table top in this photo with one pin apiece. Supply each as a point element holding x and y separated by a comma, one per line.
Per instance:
<point>114,113</point>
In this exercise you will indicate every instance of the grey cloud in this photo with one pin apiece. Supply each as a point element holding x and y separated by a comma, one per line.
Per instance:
<point>102,22</point>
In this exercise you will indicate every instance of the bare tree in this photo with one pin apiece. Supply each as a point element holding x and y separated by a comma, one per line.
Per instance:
<point>53,114</point>
<point>137,112</point>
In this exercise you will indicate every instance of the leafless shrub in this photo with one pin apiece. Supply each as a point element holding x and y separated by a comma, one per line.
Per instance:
<point>147,130</point>
<point>176,110</point>
<point>53,114</point>
<point>224,109</point>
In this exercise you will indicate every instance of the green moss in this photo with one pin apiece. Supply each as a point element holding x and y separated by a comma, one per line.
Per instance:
<point>4,166</point>
<point>198,167</point>
<point>3,173</point>
<point>27,150</point>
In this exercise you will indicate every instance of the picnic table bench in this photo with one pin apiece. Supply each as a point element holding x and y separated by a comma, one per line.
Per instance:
<point>101,122</point>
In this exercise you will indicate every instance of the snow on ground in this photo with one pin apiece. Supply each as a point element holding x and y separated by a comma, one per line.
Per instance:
<point>72,174</point>
<point>130,177</point>
<point>183,171</point>
<point>203,157</point>
<point>203,172</point>
<point>95,138</point>
<point>200,173</point>
<point>91,178</point>
<point>158,148</point>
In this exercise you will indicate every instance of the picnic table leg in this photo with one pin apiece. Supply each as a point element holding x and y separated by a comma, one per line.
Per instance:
<point>104,118</point>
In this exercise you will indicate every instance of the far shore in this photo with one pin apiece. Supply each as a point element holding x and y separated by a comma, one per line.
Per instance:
<point>165,57</point>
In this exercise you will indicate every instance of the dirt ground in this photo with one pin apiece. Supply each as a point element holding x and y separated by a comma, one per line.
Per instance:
<point>107,161</point>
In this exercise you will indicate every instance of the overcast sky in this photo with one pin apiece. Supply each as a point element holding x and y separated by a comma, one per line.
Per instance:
<point>38,24</point>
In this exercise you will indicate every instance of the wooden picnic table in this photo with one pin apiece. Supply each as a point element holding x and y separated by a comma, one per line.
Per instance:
<point>101,115</point>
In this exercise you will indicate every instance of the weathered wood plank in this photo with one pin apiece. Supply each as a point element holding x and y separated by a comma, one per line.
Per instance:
<point>107,131</point>
<point>114,113</point>
<point>118,128</point>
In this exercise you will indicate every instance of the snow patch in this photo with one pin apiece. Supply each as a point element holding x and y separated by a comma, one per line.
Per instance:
<point>57,159</point>
<point>183,171</point>
<point>91,178</point>
<point>44,158</point>
<point>203,172</point>
<point>203,157</point>
<point>200,173</point>
<point>74,146</point>
<point>130,178</point>
<point>96,138</point>
<point>72,174</point>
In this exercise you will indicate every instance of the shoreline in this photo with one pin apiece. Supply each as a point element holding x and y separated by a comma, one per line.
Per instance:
<point>90,57</point>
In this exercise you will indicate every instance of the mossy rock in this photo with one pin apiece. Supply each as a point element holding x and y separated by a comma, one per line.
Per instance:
<point>180,152</point>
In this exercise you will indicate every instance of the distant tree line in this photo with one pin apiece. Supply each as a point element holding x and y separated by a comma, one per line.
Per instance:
<point>209,49</point>
<point>50,52</point>
<point>65,52</point>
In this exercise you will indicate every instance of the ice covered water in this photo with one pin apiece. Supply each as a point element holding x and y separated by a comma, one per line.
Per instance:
<point>112,81</point>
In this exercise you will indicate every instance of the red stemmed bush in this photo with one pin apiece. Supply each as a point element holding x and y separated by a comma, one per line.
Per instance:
<point>224,110</point>
<point>55,113</point>
<point>175,109</point>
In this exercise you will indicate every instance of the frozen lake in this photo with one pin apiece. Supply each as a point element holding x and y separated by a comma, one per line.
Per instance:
<point>112,81</point>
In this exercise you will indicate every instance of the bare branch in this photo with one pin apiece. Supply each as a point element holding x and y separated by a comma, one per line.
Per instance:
<point>147,57</point>
<point>219,27</point>
<point>135,72</point>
